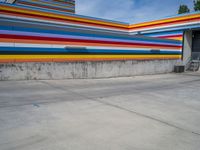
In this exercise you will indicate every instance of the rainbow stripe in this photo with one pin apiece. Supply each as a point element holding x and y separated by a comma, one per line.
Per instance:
<point>32,34</point>
<point>35,44</point>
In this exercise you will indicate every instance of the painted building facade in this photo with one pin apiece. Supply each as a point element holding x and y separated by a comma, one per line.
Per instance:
<point>48,31</point>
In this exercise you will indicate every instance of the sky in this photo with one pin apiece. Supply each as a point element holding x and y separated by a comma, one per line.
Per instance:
<point>130,11</point>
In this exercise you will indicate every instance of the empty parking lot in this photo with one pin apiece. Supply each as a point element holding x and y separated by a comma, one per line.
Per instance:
<point>160,112</point>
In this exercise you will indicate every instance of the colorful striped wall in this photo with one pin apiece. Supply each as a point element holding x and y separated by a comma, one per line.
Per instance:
<point>178,22</point>
<point>31,34</point>
<point>168,28</point>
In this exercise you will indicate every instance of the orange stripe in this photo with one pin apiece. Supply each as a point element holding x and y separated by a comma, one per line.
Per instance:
<point>81,59</point>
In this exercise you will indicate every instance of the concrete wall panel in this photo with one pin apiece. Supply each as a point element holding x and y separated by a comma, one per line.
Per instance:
<point>83,70</point>
<point>187,48</point>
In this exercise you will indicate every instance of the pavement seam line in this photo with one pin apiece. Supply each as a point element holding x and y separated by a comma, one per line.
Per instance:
<point>122,108</point>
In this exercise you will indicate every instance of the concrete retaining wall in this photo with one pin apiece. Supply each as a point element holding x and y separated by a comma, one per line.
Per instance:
<point>78,70</point>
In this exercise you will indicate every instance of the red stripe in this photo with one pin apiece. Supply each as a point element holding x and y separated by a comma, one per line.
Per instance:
<point>80,40</point>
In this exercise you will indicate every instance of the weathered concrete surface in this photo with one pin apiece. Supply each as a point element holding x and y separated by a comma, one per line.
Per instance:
<point>80,70</point>
<point>160,112</point>
<point>187,47</point>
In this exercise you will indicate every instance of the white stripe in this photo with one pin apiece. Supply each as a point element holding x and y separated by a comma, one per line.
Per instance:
<point>6,44</point>
<point>2,44</point>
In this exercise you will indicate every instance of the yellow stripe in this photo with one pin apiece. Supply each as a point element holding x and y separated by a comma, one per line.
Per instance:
<point>59,16</point>
<point>176,38</point>
<point>87,56</point>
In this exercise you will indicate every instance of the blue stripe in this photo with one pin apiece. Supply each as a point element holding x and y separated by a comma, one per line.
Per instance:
<point>164,33</point>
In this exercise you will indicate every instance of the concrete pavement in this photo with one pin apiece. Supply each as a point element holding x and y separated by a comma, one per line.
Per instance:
<point>160,112</point>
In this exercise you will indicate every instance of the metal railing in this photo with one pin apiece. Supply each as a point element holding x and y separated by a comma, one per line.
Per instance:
<point>194,63</point>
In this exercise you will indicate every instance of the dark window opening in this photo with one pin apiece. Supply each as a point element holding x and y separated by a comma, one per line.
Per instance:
<point>196,41</point>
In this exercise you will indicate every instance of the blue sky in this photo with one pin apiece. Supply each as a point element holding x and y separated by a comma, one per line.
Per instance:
<point>131,11</point>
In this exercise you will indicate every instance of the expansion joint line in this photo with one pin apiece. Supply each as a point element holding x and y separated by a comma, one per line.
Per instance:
<point>122,108</point>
